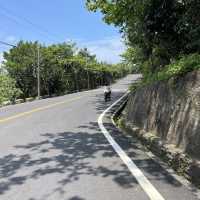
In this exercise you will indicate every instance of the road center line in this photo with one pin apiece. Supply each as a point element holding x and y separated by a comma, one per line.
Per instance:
<point>136,172</point>
<point>36,110</point>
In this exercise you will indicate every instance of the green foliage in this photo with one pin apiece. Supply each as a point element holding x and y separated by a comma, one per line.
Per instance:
<point>133,59</point>
<point>8,91</point>
<point>175,68</point>
<point>179,67</point>
<point>20,62</point>
<point>161,30</point>
<point>63,69</point>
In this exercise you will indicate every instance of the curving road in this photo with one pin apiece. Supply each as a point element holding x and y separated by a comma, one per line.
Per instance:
<point>53,149</point>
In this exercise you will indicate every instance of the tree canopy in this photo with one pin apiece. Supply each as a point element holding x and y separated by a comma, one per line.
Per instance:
<point>8,90</point>
<point>159,30</point>
<point>63,69</point>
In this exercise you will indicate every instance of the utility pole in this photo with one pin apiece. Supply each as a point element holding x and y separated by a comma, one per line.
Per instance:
<point>88,75</point>
<point>38,70</point>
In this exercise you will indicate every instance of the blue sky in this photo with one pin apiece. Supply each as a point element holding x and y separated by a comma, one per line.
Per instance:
<point>58,21</point>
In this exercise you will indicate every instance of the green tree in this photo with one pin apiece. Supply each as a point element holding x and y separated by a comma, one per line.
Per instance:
<point>133,59</point>
<point>8,90</point>
<point>160,29</point>
<point>20,62</point>
<point>63,68</point>
<point>53,68</point>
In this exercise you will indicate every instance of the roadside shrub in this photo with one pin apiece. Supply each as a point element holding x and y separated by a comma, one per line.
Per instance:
<point>176,68</point>
<point>8,91</point>
<point>179,67</point>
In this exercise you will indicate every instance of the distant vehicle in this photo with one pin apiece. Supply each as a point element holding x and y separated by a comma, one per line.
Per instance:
<point>107,93</point>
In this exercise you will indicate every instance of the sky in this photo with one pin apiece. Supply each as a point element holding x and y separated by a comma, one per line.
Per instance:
<point>58,21</point>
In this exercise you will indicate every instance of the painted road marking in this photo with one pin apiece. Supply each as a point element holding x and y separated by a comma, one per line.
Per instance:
<point>36,110</point>
<point>136,172</point>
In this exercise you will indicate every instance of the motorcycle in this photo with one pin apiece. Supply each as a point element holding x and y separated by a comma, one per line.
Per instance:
<point>107,94</point>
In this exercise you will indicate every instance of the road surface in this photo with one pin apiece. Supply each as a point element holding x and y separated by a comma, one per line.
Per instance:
<point>53,149</point>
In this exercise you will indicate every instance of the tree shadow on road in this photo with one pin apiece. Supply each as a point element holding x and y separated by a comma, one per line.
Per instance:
<point>74,155</point>
<point>69,153</point>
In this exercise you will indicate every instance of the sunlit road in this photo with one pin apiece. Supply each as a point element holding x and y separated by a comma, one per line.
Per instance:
<point>53,149</point>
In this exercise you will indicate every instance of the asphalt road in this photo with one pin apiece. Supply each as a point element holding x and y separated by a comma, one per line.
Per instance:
<point>53,149</point>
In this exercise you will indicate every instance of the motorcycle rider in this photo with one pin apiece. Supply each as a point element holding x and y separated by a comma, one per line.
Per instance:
<point>107,92</point>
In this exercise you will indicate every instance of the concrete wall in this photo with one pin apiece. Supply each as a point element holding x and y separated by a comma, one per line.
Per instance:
<point>170,110</point>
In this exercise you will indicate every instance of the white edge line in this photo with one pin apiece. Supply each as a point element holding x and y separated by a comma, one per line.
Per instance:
<point>179,178</point>
<point>136,172</point>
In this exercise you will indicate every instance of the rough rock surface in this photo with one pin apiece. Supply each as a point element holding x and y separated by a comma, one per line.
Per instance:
<point>170,110</point>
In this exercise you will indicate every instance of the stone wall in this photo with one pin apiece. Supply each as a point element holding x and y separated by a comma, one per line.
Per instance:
<point>170,110</point>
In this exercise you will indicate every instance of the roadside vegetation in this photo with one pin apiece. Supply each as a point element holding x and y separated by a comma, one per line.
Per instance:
<point>163,42</point>
<point>8,90</point>
<point>162,37</point>
<point>63,69</point>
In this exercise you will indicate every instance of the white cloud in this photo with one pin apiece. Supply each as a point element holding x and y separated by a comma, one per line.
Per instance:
<point>11,39</point>
<point>107,49</point>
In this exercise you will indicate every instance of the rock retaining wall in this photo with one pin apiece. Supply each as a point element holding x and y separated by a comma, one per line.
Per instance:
<point>165,116</point>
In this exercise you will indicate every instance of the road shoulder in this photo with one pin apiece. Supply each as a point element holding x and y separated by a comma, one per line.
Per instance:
<point>170,185</point>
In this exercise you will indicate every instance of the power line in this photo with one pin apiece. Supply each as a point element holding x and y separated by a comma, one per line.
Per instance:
<point>38,70</point>
<point>30,22</point>
<point>7,44</point>
<point>13,17</point>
